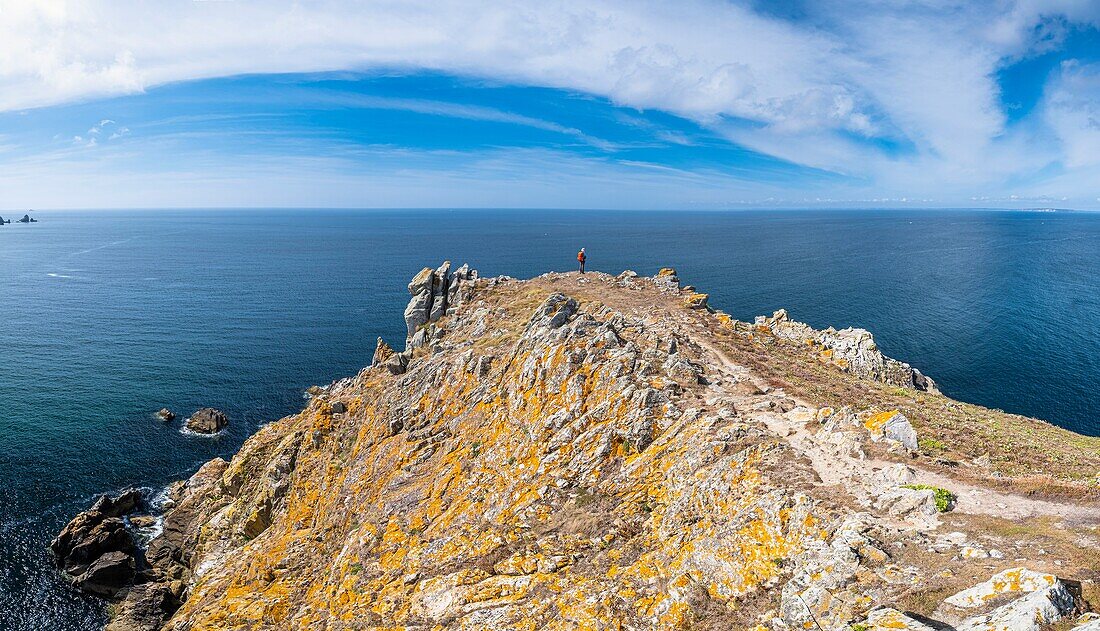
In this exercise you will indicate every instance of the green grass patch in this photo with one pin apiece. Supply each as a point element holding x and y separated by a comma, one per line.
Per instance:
<point>931,444</point>
<point>945,500</point>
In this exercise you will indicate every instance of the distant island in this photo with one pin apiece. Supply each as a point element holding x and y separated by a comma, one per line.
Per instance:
<point>26,219</point>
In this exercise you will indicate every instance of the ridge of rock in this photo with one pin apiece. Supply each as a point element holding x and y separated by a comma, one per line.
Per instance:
<point>577,452</point>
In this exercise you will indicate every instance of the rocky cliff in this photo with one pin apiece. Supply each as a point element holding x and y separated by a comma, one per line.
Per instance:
<point>598,452</point>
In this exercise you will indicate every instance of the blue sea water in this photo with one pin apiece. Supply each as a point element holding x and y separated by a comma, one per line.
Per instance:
<point>107,316</point>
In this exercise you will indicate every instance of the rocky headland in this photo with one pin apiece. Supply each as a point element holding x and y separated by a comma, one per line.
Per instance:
<point>610,452</point>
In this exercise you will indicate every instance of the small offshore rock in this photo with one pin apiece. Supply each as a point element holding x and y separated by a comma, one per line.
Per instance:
<point>207,421</point>
<point>95,550</point>
<point>166,415</point>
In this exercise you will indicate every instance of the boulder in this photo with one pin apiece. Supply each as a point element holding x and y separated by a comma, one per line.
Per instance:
<point>1016,580</point>
<point>892,425</point>
<point>338,407</point>
<point>207,421</point>
<point>1030,613</point>
<point>165,414</point>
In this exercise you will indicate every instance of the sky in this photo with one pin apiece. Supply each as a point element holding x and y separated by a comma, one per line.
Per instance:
<point>686,104</point>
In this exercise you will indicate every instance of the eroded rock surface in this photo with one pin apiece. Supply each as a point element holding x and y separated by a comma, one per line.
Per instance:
<point>851,349</point>
<point>207,421</point>
<point>569,453</point>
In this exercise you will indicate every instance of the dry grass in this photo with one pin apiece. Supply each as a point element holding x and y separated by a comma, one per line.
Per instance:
<point>1038,458</point>
<point>1026,455</point>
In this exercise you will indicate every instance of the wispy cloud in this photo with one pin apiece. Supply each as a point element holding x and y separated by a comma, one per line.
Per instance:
<point>902,98</point>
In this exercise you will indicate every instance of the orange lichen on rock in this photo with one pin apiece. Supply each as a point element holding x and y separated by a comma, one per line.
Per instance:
<point>543,463</point>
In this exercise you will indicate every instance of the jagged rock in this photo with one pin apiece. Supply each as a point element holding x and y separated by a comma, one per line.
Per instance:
<point>666,280</point>
<point>383,352</point>
<point>434,294</point>
<point>25,219</point>
<point>338,407</point>
<point>207,421</point>
<point>397,363</point>
<point>909,503</point>
<point>109,574</point>
<point>166,415</point>
<point>440,285</point>
<point>146,608</point>
<point>125,503</point>
<point>88,536</point>
<point>696,300</point>
<point>539,467</point>
<point>95,550</point>
<point>851,349</point>
<point>554,312</point>
<point>419,308</point>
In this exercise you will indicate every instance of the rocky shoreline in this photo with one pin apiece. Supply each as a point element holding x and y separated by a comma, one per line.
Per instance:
<point>574,451</point>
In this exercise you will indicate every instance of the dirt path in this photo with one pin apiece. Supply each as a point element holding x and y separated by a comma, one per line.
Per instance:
<point>839,469</point>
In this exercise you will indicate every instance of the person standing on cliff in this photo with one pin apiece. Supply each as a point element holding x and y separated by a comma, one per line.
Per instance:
<point>581,258</point>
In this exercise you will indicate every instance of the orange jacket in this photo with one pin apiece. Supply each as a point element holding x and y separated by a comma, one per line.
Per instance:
<point>580,257</point>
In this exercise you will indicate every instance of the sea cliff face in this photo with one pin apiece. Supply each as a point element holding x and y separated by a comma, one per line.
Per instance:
<point>597,452</point>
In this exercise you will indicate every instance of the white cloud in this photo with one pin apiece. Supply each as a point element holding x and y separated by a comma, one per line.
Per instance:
<point>916,75</point>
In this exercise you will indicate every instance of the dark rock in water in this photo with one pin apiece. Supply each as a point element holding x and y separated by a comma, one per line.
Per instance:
<point>25,219</point>
<point>165,414</point>
<point>1,221</point>
<point>108,574</point>
<point>118,506</point>
<point>207,421</point>
<point>95,550</point>
<point>338,407</point>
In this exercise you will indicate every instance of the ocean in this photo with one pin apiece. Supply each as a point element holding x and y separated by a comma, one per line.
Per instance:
<point>107,316</point>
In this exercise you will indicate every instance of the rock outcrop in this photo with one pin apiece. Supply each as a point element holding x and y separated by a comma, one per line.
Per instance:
<point>851,349</point>
<point>166,415</point>
<point>435,293</point>
<point>579,453</point>
<point>207,421</point>
<point>95,550</point>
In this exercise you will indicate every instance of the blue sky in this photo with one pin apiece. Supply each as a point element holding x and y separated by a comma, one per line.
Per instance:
<point>694,104</point>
